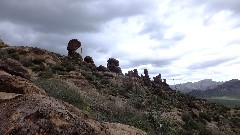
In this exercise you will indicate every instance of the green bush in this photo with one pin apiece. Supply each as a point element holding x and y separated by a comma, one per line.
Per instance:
<point>26,62</point>
<point>38,60</point>
<point>205,116</point>
<point>38,68</point>
<point>186,116</point>
<point>58,90</point>
<point>56,68</point>
<point>46,74</point>
<point>90,77</point>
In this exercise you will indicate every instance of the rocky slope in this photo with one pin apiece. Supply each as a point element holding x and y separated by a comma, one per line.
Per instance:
<point>27,109</point>
<point>200,85</point>
<point>47,93</point>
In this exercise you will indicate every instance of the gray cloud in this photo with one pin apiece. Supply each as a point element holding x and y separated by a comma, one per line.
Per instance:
<point>154,29</point>
<point>62,16</point>
<point>211,63</point>
<point>147,61</point>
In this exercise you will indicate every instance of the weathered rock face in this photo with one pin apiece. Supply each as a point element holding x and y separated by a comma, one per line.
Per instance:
<point>14,67</point>
<point>26,109</point>
<point>158,79</point>
<point>146,78</point>
<point>18,85</point>
<point>135,73</point>
<point>89,60</point>
<point>102,68</point>
<point>39,114</point>
<point>113,65</point>
<point>72,47</point>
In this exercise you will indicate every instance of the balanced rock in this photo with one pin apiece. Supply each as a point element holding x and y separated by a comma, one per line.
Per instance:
<point>73,45</point>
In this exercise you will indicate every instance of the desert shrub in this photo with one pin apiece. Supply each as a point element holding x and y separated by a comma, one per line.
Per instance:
<point>139,105</point>
<point>9,53</point>
<point>58,90</point>
<point>68,65</point>
<point>105,81</point>
<point>26,62</point>
<point>46,74</point>
<point>38,68</point>
<point>205,116</point>
<point>186,116</point>
<point>89,111</point>
<point>11,50</point>
<point>56,68</point>
<point>90,77</point>
<point>38,60</point>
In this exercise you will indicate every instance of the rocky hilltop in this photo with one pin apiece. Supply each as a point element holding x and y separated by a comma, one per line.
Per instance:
<point>42,92</point>
<point>200,85</point>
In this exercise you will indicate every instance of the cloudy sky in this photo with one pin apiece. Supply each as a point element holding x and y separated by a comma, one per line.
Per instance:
<point>185,40</point>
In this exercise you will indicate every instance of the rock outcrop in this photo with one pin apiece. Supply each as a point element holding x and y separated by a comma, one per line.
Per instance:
<point>102,68</point>
<point>72,47</point>
<point>146,78</point>
<point>113,65</point>
<point>89,60</point>
<point>15,68</point>
<point>26,109</point>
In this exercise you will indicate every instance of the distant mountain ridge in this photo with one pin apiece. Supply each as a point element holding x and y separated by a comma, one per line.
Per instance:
<point>228,93</point>
<point>229,88</point>
<point>200,85</point>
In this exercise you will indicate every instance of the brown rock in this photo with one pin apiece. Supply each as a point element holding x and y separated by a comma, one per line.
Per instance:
<point>73,45</point>
<point>102,68</point>
<point>14,67</point>
<point>16,84</point>
<point>113,65</point>
<point>89,60</point>
<point>39,114</point>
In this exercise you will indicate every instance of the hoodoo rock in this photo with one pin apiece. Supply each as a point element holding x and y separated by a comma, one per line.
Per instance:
<point>113,65</point>
<point>14,67</point>
<point>146,78</point>
<point>72,47</point>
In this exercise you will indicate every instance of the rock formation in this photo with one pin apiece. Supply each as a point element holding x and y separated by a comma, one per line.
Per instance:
<point>26,109</point>
<point>146,78</point>
<point>14,67</point>
<point>113,65</point>
<point>89,60</point>
<point>102,68</point>
<point>135,73</point>
<point>157,79</point>
<point>72,47</point>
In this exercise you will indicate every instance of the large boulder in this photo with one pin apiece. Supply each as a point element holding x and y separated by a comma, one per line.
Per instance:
<point>73,45</point>
<point>15,68</point>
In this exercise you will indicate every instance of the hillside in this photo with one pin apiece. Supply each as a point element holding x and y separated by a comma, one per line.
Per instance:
<point>200,85</point>
<point>42,92</point>
<point>227,94</point>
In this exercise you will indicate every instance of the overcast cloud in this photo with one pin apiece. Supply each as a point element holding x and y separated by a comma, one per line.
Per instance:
<point>183,40</point>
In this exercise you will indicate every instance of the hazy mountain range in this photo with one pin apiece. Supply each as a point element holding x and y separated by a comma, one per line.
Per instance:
<point>227,94</point>
<point>200,85</point>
